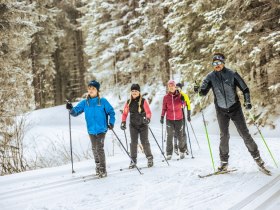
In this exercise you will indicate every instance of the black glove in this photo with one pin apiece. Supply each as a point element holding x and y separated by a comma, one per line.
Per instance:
<point>111,126</point>
<point>248,106</point>
<point>189,115</point>
<point>123,125</point>
<point>162,119</point>
<point>146,121</point>
<point>196,88</point>
<point>69,105</point>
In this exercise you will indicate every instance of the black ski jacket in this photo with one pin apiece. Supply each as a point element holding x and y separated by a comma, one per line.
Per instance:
<point>223,84</point>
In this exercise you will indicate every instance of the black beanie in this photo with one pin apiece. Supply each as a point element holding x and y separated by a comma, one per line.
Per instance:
<point>219,57</point>
<point>180,85</point>
<point>135,87</point>
<point>95,84</point>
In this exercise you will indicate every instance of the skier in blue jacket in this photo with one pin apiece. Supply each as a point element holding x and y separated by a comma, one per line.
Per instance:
<point>96,111</point>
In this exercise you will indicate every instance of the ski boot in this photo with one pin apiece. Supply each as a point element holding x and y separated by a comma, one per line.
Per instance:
<point>132,165</point>
<point>182,155</point>
<point>150,162</point>
<point>261,166</point>
<point>259,162</point>
<point>102,172</point>
<point>223,166</point>
<point>187,152</point>
<point>168,157</point>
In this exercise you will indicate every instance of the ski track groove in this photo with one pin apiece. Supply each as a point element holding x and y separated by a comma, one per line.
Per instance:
<point>256,194</point>
<point>275,196</point>
<point>54,185</point>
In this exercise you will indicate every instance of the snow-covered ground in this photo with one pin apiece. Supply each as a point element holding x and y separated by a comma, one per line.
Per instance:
<point>176,186</point>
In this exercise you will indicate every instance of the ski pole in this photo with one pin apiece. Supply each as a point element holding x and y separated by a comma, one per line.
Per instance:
<point>206,132</point>
<point>158,145</point>
<point>70,140</point>
<point>189,139</point>
<point>125,140</point>
<point>126,151</point>
<point>194,135</point>
<point>263,138</point>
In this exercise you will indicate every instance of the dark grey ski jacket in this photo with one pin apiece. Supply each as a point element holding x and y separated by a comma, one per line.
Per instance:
<point>223,84</point>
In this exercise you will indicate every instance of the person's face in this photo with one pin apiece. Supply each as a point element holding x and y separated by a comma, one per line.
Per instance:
<point>218,65</point>
<point>92,91</point>
<point>135,93</point>
<point>171,88</point>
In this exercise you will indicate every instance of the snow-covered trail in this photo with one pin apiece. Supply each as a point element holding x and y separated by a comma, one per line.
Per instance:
<point>162,187</point>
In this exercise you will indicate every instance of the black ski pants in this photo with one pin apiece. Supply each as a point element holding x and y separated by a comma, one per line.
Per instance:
<point>184,136</point>
<point>97,143</point>
<point>135,131</point>
<point>237,116</point>
<point>176,126</point>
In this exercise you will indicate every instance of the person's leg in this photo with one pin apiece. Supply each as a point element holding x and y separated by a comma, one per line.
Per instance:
<point>170,130</point>
<point>240,123</point>
<point>134,142</point>
<point>95,153</point>
<point>179,127</point>
<point>223,121</point>
<point>185,137</point>
<point>146,144</point>
<point>101,153</point>
<point>175,143</point>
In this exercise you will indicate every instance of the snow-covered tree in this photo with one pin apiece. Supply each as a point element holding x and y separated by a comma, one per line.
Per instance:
<point>247,32</point>
<point>43,47</point>
<point>126,42</point>
<point>17,25</point>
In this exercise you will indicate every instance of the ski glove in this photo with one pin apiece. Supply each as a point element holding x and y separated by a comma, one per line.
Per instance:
<point>146,121</point>
<point>189,115</point>
<point>196,88</point>
<point>69,105</point>
<point>111,126</point>
<point>248,106</point>
<point>123,125</point>
<point>162,119</point>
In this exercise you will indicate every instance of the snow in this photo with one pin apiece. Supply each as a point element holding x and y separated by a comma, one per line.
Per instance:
<point>162,187</point>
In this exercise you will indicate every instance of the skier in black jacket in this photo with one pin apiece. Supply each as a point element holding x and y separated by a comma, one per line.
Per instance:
<point>140,116</point>
<point>223,82</point>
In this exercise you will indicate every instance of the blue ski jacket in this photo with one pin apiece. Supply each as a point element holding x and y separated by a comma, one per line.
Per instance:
<point>96,114</point>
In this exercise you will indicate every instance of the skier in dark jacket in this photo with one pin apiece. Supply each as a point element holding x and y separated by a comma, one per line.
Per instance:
<point>223,83</point>
<point>172,107</point>
<point>96,110</point>
<point>140,116</point>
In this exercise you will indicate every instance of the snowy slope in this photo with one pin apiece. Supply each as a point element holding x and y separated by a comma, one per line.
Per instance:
<point>162,187</point>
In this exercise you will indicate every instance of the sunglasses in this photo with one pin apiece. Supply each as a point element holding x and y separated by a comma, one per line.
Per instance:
<point>216,63</point>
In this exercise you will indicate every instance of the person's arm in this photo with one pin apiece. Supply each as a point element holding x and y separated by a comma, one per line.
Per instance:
<point>205,86</point>
<point>79,109</point>
<point>239,82</point>
<point>125,112</point>
<point>147,110</point>
<point>188,104</point>
<point>110,111</point>
<point>186,99</point>
<point>164,109</point>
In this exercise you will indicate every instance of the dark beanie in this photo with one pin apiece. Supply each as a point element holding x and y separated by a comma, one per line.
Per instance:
<point>180,85</point>
<point>219,57</point>
<point>135,87</point>
<point>95,84</point>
